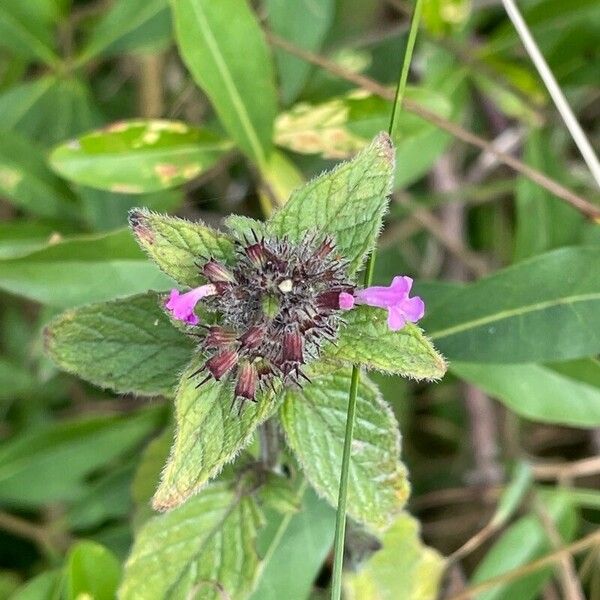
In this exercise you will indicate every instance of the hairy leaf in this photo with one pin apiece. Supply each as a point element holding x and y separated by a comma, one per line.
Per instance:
<point>347,203</point>
<point>314,420</point>
<point>226,53</point>
<point>544,309</point>
<point>203,549</point>
<point>138,156</point>
<point>176,245</point>
<point>366,340</point>
<point>127,345</point>
<point>210,433</point>
<point>403,568</point>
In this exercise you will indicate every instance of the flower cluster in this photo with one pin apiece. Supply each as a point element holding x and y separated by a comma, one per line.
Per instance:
<point>276,306</point>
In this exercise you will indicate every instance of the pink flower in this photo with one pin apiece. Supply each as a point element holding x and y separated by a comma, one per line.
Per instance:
<point>394,298</point>
<point>182,306</point>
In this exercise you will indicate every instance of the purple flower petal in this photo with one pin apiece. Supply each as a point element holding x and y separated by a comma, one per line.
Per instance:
<point>395,320</point>
<point>413,308</point>
<point>346,301</point>
<point>181,306</point>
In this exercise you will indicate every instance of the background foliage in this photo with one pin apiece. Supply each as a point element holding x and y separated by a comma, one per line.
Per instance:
<point>199,108</point>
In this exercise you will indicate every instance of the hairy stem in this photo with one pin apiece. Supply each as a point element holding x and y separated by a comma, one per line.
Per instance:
<point>340,520</point>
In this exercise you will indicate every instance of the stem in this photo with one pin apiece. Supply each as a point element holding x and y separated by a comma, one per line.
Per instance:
<point>340,517</point>
<point>570,120</point>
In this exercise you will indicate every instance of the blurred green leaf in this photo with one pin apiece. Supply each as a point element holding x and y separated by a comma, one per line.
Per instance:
<point>347,203</point>
<point>138,156</point>
<point>50,463</point>
<point>339,127</point>
<point>521,543</point>
<point>224,49</point>
<point>366,340</point>
<point>127,345</point>
<point>294,547</point>
<point>92,572</point>
<point>441,17</point>
<point>204,548</point>
<point>27,182</point>
<point>304,23</point>
<point>21,237</point>
<point>176,245</point>
<point>46,586</point>
<point>49,109</point>
<point>128,25</point>
<point>210,434</point>
<point>404,568</point>
<point>544,309</point>
<point>15,379</point>
<point>314,421</point>
<point>81,270</point>
<point>23,32</point>
<point>9,582</point>
<point>536,392</point>
<point>542,222</point>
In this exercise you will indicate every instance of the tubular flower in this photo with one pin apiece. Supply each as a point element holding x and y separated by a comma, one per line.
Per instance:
<point>394,298</point>
<point>275,306</point>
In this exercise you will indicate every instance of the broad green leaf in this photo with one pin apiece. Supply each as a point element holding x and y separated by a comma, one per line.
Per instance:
<point>203,549</point>
<point>128,25</point>
<point>23,236</point>
<point>339,127</point>
<point>294,547</point>
<point>210,433</point>
<point>27,182</point>
<point>404,567</point>
<point>51,464</point>
<point>542,222</point>
<point>280,179</point>
<point>138,156</point>
<point>241,226</point>
<point>81,270</point>
<point>23,32</point>
<point>92,571</point>
<point>521,543</point>
<point>46,586</point>
<point>127,345</point>
<point>305,24</point>
<point>366,340</point>
<point>544,309</point>
<point>536,392</point>
<point>314,421</point>
<point>15,379</point>
<point>49,109</point>
<point>347,203</point>
<point>224,49</point>
<point>177,245</point>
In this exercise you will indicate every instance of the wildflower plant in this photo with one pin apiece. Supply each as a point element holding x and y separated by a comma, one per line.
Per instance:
<point>265,322</point>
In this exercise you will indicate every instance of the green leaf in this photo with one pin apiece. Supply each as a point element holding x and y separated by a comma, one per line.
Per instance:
<point>20,237</point>
<point>521,543</point>
<point>81,270</point>
<point>127,345</point>
<point>210,433</point>
<point>314,421</point>
<point>544,309</point>
<point>176,245</point>
<point>204,549</point>
<point>305,24</point>
<point>294,547</point>
<point>46,586</point>
<point>341,126</point>
<point>242,226</point>
<point>27,182</point>
<point>536,392</point>
<point>15,379</point>
<point>403,568</point>
<point>366,340</point>
<point>542,222</point>
<point>128,25</point>
<point>138,156</point>
<point>92,572</point>
<point>347,203</point>
<point>23,32</point>
<point>224,49</point>
<point>50,464</point>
